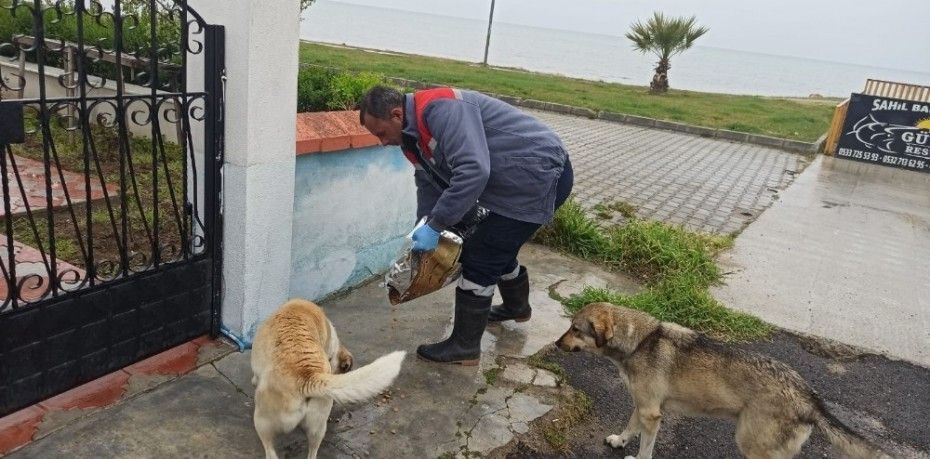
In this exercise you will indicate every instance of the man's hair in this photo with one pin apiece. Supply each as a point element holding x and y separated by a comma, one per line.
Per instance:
<point>378,102</point>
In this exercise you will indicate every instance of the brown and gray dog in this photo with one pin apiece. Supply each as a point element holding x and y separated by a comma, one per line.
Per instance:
<point>299,368</point>
<point>670,369</point>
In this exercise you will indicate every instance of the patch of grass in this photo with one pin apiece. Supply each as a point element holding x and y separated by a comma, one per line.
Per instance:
<point>572,411</point>
<point>655,251</point>
<point>539,361</point>
<point>652,251</point>
<point>779,117</point>
<point>606,211</point>
<point>685,302</point>
<point>100,216</point>
<point>65,248</point>
<point>676,265</point>
<point>490,376</point>
<point>555,437</point>
<point>624,208</point>
<point>573,232</point>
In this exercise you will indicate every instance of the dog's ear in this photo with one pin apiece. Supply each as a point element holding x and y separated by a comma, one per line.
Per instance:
<point>603,327</point>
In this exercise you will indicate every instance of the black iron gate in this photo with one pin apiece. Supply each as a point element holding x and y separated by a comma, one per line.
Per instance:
<point>111,144</point>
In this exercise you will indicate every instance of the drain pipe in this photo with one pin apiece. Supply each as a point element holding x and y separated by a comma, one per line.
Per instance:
<point>240,343</point>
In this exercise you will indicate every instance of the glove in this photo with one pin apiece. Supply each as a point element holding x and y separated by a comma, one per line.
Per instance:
<point>425,239</point>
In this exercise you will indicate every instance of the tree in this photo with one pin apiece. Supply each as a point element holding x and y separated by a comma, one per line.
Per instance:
<point>304,4</point>
<point>664,37</point>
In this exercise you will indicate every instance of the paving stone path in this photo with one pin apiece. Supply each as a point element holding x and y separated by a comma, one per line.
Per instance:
<point>704,184</point>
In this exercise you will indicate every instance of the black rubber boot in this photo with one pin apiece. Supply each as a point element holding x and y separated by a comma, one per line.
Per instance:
<point>463,347</point>
<point>516,296</point>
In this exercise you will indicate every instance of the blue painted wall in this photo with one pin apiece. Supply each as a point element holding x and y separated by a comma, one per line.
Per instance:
<point>352,209</point>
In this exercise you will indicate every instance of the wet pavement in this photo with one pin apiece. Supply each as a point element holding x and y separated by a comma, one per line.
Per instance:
<point>498,409</point>
<point>886,401</point>
<point>432,410</point>
<point>844,254</point>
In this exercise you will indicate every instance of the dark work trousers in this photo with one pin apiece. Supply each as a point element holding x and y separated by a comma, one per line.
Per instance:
<point>492,249</point>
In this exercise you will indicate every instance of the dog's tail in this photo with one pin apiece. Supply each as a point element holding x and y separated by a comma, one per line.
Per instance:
<point>356,385</point>
<point>842,437</point>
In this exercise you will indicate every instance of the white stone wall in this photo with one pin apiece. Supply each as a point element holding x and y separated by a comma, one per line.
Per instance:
<point>258,199</point>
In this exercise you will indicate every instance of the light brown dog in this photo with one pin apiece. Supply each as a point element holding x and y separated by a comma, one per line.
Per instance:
<point>672,369</point>
<point>299,368</point>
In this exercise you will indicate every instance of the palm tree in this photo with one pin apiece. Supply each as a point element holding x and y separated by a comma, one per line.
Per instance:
<point>664,37</point>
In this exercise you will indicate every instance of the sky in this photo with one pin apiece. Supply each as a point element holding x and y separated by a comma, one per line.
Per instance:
<point>890,34</point>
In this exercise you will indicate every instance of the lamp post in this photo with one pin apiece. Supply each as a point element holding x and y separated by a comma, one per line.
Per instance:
<point>487,42</point>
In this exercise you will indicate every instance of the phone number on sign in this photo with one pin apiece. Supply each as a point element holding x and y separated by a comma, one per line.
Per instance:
<point>887,159</point>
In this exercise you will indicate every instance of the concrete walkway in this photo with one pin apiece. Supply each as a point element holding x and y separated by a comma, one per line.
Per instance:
<point>708,185</point>
<point>431,411</point>
<point>501,409</point>
<point>844,254</point>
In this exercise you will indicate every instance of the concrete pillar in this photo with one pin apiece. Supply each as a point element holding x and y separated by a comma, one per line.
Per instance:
<point>261,103</point>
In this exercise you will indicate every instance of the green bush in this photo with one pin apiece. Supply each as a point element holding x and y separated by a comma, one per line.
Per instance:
<point>168,31</point>
<point>136,38</point>
<point>348,89</point>
<point>313,85</point>
<point>318,88</point>
<point>321,89</point>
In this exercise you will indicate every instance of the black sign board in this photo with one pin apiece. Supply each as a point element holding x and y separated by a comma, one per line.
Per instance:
<point>892,132</point>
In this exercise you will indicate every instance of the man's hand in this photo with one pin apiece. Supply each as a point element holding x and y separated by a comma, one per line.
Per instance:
<point>425,239</point>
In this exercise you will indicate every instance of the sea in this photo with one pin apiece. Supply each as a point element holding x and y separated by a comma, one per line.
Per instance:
<point>586,55</point>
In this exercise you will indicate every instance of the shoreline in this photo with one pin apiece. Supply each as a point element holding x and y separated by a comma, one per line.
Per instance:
<point>814,98</point>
